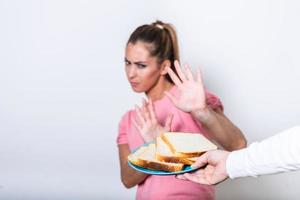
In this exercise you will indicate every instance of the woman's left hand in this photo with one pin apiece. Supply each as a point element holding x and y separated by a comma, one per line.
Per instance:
<point>192,96</point>
<point>147,124</point>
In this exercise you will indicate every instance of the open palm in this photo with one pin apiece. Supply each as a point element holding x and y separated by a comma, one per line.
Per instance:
<point>191,91</point>
<point>147,124</point>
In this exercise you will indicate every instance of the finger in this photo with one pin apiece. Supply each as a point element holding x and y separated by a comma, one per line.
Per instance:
<point>151,111</point>
<point>139,115</point>
<point>144,111</point>
<point>174,77</point>
<point>188,73</point>
<point>169,122</point>
<point>179,71</point>
<point>201,161</point>
<point>217,178</point>
<point>137,126</point>
<point>182,177</point>
<point>144,103</point>
<point>199,76</point>
<point>201,83</point>
<point>147,115</point>
<point>172,98</point>
<point>197,178</point>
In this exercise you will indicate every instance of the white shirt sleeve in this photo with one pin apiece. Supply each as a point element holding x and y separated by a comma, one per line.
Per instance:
<point>279,153</point>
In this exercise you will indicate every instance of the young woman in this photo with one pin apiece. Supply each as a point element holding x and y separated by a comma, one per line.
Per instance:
<point>176,102</point>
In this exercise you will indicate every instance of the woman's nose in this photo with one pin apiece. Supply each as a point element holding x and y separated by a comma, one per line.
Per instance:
<point>131,71</point>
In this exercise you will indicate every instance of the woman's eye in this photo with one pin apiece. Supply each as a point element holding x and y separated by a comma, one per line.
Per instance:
<point>141,66</point>
<point>127,63</point>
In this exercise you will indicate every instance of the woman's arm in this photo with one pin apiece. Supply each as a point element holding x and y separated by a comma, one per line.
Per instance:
<point>129,176</point>
<point>149,128</point>
<point>192,99</point>
<point>221,129</point>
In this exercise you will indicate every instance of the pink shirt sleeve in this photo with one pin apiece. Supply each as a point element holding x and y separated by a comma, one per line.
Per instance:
<point>122,135</point>
<point>213,101</point>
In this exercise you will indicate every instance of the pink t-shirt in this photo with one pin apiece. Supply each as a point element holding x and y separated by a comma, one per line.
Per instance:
<point>167,187</point>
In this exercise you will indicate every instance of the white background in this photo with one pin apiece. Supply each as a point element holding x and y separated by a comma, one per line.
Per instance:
<point>63,88</point>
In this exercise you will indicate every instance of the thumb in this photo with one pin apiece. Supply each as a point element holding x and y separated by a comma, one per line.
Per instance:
<point>169,122</point>
<point>172,98</point>
<point>181,176</point>
<point>201,161</point>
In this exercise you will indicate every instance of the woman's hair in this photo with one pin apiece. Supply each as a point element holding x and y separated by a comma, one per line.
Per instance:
<point>162,40</point>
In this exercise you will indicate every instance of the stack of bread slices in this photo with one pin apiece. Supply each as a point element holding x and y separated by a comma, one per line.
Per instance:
<point>171,151</point>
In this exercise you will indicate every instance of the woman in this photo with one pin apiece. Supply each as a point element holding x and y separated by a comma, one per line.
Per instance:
<point>150,56</point>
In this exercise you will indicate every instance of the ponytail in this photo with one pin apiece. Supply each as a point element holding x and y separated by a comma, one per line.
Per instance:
<point>163,41</point>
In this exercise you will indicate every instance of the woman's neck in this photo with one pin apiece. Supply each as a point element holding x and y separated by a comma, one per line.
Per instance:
<point>157,91</point>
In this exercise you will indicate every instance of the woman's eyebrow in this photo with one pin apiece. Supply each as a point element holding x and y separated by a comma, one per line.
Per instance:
<point>140,62</point>
<point>137,62</point>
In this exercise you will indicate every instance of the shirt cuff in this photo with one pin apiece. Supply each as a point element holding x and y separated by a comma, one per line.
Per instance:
<point>237,165</point>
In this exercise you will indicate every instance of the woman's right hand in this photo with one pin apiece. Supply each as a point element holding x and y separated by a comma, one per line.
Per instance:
<point>147,124</point>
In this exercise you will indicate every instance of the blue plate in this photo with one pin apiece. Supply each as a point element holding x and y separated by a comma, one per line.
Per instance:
<point>186,168</point>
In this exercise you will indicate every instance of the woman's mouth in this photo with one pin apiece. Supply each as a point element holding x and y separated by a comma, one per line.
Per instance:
<point>133,84</point>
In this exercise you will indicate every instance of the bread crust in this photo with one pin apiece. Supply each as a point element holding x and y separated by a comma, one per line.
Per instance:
<point>165,139</point>
<point>180,154</point>
<point>174,159</point>
<point>189,155</point>
<point>174,167</point>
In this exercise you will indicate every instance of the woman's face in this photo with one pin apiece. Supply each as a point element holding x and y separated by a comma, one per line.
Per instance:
<point>142,70</point>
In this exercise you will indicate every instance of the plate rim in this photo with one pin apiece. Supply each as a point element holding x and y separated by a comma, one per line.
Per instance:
<point>157,172</point>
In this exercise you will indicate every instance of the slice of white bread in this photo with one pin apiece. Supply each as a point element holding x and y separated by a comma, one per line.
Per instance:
<point>145,157</point>
<point>164,153</point>
<point>192,159</point>
<point>187,145</point>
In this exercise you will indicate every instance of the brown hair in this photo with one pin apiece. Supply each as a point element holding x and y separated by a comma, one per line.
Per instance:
<point>163,42</point>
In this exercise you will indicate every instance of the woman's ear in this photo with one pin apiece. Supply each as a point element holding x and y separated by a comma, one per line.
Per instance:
<point>164,67</point>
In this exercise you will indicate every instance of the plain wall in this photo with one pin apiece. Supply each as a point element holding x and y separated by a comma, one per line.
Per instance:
<point>63,88</point>
<point>249,53</point>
